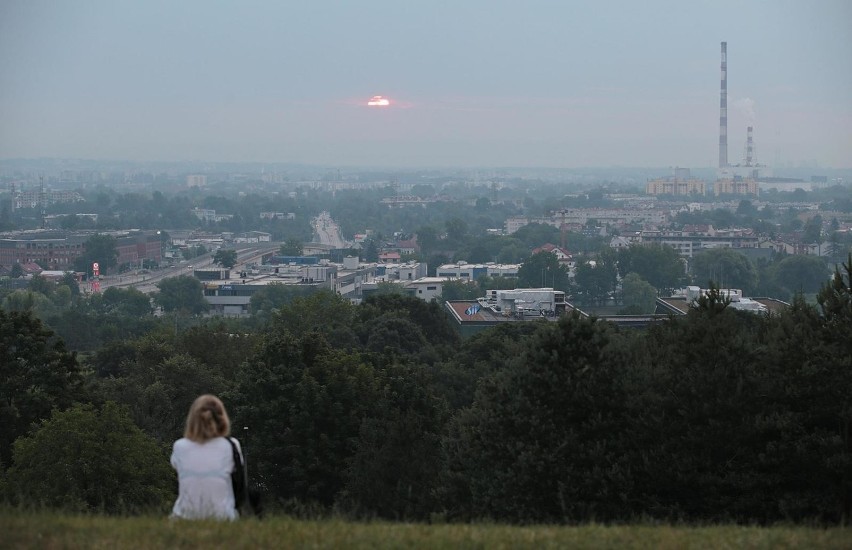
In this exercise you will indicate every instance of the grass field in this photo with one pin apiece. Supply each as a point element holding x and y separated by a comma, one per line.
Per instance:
<point>49,531</point>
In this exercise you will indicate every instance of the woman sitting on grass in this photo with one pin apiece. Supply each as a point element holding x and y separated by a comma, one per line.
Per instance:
<point>204,460</point>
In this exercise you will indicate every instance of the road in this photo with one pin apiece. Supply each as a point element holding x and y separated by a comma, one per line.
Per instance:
<point>147,282</point>
<point>327,231</point>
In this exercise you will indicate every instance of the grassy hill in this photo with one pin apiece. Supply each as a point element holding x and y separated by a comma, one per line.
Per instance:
<point>21,530</point>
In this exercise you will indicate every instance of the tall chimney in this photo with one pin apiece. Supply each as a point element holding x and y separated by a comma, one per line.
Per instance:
<point>723,110</point>
<point>749,160</point>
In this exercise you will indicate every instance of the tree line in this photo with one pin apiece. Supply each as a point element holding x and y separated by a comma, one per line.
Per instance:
<point>380,410</point>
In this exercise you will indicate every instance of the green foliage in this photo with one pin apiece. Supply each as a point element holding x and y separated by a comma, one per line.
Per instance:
<point>158,395</point>
<point>460,290</point>
<point>42,530</point>
<point>638,294</point>
<point>120,301</point>
<point>398,457</point>
<point>539,442</point>
<point>595,282</point>
<point>181,294</point>
<point>225,258</point>
<point>726,267</point>
<point>800,273</point>
<point>88,460</point>
<point>291,247</point>
<point>429,318</point>
<point>41,285</point>
<point>661,266</point>
<point>101,249</point>
<point>536,234</point>
<point>27,300</point>
<point>37,374</point>
<point>274,296</point>
<point>323,311</point>
<point>543,270</point>
<point>304,404</point>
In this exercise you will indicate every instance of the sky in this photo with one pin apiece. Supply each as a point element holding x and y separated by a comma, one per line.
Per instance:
<point>471,82</point>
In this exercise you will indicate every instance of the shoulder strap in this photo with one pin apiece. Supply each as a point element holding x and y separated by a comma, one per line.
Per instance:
<point>238,459</point>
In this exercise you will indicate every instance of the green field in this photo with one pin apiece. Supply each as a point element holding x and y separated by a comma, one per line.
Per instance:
<point>47,531</point>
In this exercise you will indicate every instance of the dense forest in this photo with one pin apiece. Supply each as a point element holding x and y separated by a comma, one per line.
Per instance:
<point>380,410</point>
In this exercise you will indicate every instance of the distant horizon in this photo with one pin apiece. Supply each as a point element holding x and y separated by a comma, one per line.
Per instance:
<point>481,83</point>
<point>390,167</point>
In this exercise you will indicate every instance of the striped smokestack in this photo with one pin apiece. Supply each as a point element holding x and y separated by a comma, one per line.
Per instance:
<point>749,160</point>
<point>723,110</point>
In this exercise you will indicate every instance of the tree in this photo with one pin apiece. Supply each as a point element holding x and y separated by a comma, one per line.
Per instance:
<point>158,393</point>
<point>41,285</point>
<point>595,281</point>
<point>539,442</point>
<point>800,273</point>
<point>101,249</point>
<point>225,258</point>
<point>37,374</point>
<point>70,280</point>
<point>17,271</point>
<point>813,230</point>
<point>276,295</point>
<point>661,266</point>
<point>125,301</point>
<point>726,267</point>
<point>536,234</point>
<point>456,230</point>
<point>183,293</point>
<point>639,295</point>
<point>91,461</point>
<point>304,404</point>
<point>460,290</point>
<point>398,456</point>
<point>543,270</point>
<point>323,311</point>
<point>427,238</point>
<point>291,247</point>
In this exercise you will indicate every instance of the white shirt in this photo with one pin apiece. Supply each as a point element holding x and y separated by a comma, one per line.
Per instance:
<point>204,479</point>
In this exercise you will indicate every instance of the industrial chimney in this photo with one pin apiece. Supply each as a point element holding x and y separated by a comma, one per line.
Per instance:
<point>723,111</point>
<point>749,158</point>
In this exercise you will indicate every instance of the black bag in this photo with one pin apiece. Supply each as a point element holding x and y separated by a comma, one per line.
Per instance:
<point>239,480</point>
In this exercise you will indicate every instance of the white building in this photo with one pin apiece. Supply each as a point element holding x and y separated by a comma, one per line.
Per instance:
<point>472,272</point>
<point>526,302</point>
<point>427,288</point>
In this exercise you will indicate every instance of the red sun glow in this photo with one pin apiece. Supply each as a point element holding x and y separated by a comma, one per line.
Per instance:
<point>378,101</point>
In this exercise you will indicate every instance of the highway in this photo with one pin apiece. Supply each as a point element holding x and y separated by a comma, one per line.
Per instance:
<point>147,282</point>
<point>327,231</point>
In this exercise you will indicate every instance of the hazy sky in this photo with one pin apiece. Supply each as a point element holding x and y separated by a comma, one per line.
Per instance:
<point>474,82</point>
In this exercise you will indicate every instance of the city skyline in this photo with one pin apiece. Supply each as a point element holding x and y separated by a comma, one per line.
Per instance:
<point>475,84</point>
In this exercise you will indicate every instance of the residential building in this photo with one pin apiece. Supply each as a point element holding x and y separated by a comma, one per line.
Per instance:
<point>736,186</point>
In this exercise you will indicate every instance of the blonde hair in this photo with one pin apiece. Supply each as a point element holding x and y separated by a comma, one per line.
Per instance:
<point>207,419</point>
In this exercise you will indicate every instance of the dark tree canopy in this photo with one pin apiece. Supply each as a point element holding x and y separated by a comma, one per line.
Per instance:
<point>182,294</point>
<point>661,266</point>
<point>543,270</point>
<point>101,249</point>
<point>291,247</point>
<point>92,461</point>
<point>37,374</point>
<point>725,267</point>
<point>801,273</point>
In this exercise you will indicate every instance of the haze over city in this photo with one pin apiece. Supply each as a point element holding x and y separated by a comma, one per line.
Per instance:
<point>475,83</point>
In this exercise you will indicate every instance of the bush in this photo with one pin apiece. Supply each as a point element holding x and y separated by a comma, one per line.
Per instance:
<point>86,460</point>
